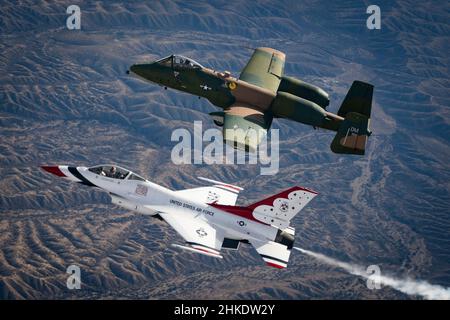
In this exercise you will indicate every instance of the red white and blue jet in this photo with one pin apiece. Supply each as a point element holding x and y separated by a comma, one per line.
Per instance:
<point>206,217</point>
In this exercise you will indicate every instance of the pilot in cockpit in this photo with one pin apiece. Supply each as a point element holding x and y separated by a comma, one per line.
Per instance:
<point>112,172</point>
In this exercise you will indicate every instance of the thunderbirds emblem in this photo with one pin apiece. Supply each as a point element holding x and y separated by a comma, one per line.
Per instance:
<point>284,206</point>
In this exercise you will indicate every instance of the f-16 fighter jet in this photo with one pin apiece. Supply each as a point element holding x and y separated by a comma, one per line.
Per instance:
<point>262,93</point>
<point>206,217</point>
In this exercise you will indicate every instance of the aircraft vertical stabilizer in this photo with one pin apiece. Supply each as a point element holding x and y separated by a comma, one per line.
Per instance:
<point>279,209</point>
<point>356,108</point>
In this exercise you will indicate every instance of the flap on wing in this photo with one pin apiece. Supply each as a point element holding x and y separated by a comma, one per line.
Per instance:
<point>264,69</point>
<point>219,193</point>
<point>197,232</point>
<point>274,254</point>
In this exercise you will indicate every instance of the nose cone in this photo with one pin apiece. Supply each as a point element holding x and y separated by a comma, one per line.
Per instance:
<point>54,170</point>
<point>142,70</point>
<point>137,68</point>
<point>148,71</point>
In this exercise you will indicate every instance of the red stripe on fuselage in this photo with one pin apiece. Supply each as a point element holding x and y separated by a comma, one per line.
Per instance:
<point>284,194</point>
<point>54,170</point>
<point>275,265</point>
<point>238,211</point>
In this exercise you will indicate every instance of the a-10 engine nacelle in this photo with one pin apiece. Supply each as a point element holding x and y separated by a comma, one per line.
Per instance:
<point>289,106</point>
<point>300,101</point>
<point>304,90</point>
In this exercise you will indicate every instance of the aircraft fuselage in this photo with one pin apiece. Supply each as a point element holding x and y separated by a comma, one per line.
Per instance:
<point>149,198</point>
<point>224,91</point>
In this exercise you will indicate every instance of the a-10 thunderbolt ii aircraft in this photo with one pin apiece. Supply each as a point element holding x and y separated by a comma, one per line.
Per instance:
<point>262,93</point>
<point>206,217</point>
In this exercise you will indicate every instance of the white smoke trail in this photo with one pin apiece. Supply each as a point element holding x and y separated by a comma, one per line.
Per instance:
<point>408,286</point>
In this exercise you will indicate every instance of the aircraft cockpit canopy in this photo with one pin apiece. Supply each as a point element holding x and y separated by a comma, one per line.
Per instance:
<point>182,61</point>
<point>179,61</point>
<point>115,172</point>
<point>167,61</point>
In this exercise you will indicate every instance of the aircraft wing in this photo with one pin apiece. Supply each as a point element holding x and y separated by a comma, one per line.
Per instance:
<point>244,127</point>
<point>273,253</point>
<point>219,193</point>
<point>198,233</point>
<point>264,69</point>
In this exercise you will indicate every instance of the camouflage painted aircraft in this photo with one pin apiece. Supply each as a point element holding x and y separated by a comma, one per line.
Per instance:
<point>262,93</point>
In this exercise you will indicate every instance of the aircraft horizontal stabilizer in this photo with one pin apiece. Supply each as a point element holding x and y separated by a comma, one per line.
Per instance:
<point>274,254</point>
